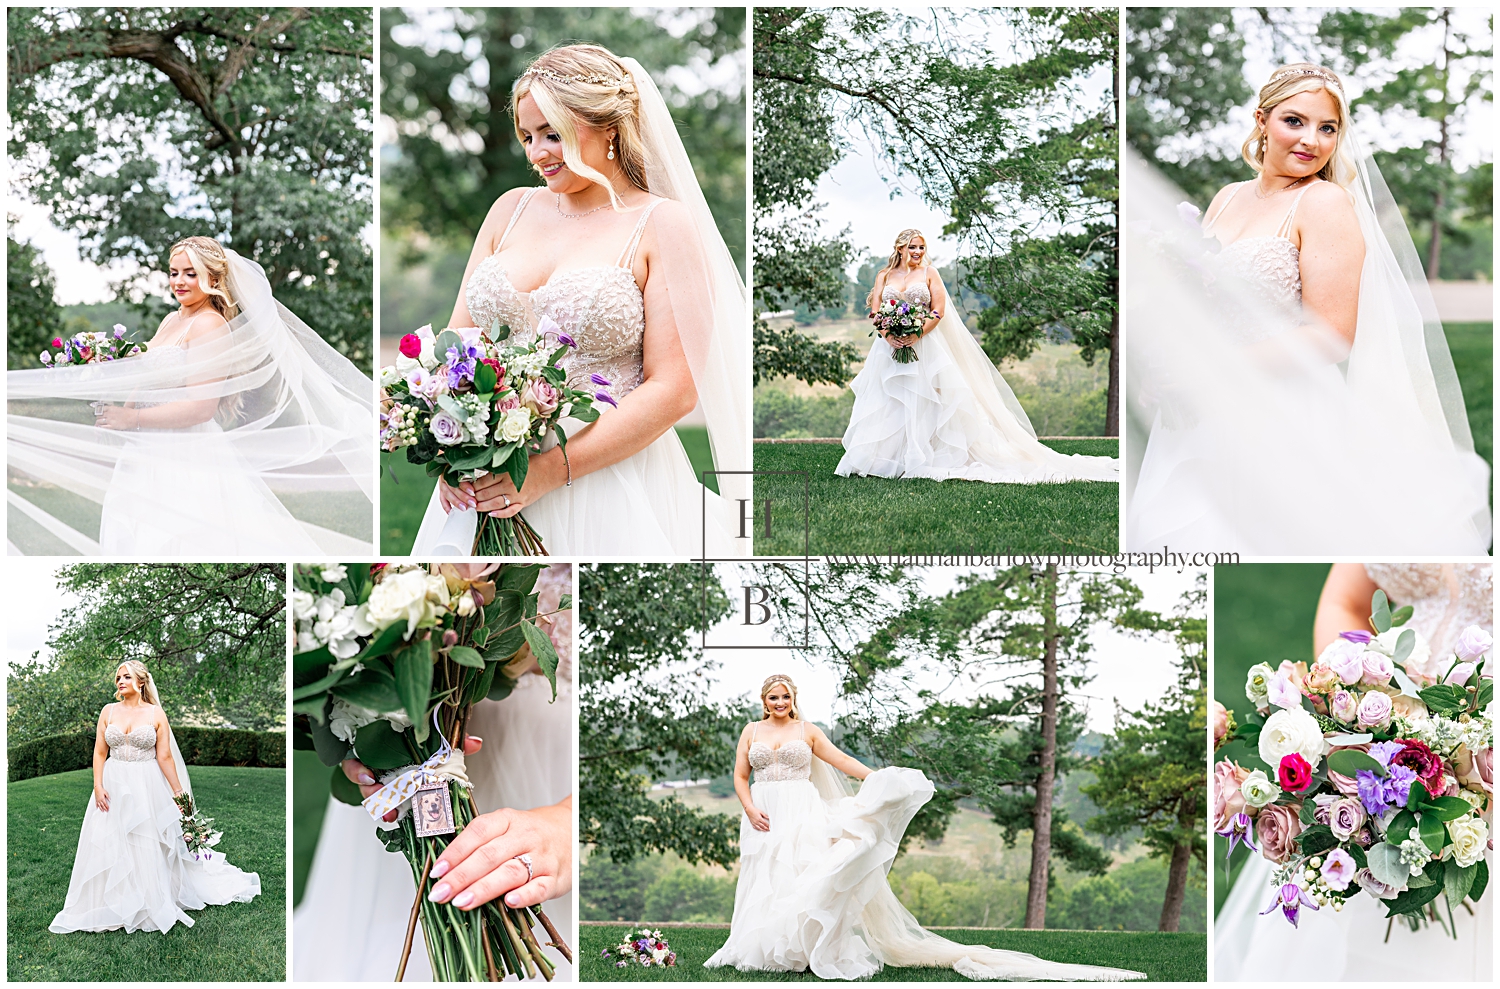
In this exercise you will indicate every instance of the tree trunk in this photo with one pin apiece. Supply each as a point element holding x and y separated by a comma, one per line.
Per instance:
<point>1041,814</point>
<point>1171,907</point>
<point>1112,399</point>
<point>1435,248</point>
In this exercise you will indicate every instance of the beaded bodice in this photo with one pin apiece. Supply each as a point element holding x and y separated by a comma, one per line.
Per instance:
<point>787,761</point>
<point>136,745</point>
<point>600,307</point>
<point>1446,598</point>
<point>1267,268</point>
<point>916,292</point>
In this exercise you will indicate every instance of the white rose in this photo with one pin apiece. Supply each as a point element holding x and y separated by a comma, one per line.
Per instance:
<point>1469,835</point>
<point>1289,730</point>
<point>437,590</point>
<point>1258,790</point>
<point>400,596</point>
<point>389,374</point>
<point>302,605</point>
<point>515,424</point>
<point>334,572</point>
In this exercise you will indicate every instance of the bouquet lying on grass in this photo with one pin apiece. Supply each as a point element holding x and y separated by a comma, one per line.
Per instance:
<point>644,947</point>
<point>897,318</point>
<point>464,406</point>
<point>93,347</point>
<point>197,830</point>
<point>389,661</point>
<point>1370,772</point>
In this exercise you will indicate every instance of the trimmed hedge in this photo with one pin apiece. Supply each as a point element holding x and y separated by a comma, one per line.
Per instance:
<point>200,747</point>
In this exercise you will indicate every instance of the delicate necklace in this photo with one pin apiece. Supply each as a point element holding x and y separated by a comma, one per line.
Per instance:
<point>573,216</point>
<point>1278,192</point>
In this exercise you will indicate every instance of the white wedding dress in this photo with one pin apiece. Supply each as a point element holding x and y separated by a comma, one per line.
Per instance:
<point>351,923</point>
<point>813,894</point>
<point>948,414</point>
<point>1351,945</point>
<point>649,504</point>
<point>133,870</point>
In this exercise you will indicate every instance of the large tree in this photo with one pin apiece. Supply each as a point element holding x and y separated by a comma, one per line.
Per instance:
<point>136,127</point>
<point>212,634</point>
<point>32,315</point>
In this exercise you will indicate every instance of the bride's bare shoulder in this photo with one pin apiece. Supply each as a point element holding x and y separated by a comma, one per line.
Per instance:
<point>500,213</point>
<point>1328,201</point>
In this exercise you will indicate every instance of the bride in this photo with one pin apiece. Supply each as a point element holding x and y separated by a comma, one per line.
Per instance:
<point>812,890</point>
<point>238,432</point>
<point>1288,372</point>
<point>618,249</point>
<point>1351,945</point>
<point>948,414</point>
<point>133,869</point>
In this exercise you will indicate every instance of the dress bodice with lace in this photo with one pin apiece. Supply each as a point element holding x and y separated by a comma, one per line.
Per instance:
<point>788,761</point>
<point>916,293</point>
<point>1270,267</point>
<point>136,745</point>
<point>600,307</point>
<point>1446,598</point>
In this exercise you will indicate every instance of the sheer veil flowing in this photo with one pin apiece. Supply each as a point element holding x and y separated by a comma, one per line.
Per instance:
<point>264,443</point>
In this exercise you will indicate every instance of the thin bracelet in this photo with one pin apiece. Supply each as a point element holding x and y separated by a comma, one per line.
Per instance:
<point>568,464</point>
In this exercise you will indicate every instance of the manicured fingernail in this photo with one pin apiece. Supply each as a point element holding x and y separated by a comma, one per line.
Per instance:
<point>441,869</point>
<point>463,900</point>
<point>440,892</point>
<point>476,738</point>
<point>494,515</point>
<point>367,779</point>
<point>513,900</point>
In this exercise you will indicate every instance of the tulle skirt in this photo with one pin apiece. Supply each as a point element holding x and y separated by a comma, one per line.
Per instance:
<point>649,504</point>
<point>351,923</point>
<point>923,420</point>
<point>133,870</point>
<point>1347,946</point>
<point>813,893</point>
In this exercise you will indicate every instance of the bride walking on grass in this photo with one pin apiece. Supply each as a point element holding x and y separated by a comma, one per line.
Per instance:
<point>941,410</point>
<point>814,854</point>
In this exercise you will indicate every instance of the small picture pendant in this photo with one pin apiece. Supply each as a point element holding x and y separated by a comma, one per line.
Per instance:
<point>432,809</point>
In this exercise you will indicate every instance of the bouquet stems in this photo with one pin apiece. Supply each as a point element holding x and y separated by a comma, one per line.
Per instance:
<point>507,537</point>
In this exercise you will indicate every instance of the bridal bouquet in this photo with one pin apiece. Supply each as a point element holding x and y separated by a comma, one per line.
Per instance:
<point>646,947</point>
<point>197,830</point>
<point>93,347</point>
<point>897,318</point>
<point>388,662</point>
<point>1369,772</point>
<point>464,405</point>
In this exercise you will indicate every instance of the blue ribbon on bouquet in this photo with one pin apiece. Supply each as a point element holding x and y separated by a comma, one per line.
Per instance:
<point>444,765</point>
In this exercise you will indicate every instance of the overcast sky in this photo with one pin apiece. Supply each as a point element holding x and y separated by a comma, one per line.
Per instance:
<point>34,602</point>
<point>1126,669</point>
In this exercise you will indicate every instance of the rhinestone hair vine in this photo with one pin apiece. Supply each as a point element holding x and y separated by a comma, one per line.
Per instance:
<point>596,80</point>
<point>1322,74</point>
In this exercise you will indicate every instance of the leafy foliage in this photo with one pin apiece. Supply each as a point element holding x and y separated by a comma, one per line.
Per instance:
<point>32,317</point>
<point>200,747</point>
<point>212,634</point>
<point>137,127</point>
<point>637,623</point>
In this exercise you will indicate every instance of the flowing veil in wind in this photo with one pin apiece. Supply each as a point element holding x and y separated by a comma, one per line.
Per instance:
<point>264,444</point>
<point>1270,448</point>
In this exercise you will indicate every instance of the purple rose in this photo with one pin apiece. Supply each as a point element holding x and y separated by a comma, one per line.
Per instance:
<point>1460,674</point>
<point>1343,706</point>
<point>1374,709</point>
<point>1378,669</point>
<point>1345,816</point>
<point>1373,886</point>
<point>1473,643</point>
<point>446,429</point>
<point>540,396</point>
<point>1345,658</point>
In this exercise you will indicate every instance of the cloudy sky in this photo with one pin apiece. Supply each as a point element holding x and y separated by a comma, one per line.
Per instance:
<point>33,604</point>
<point>1127,670</point>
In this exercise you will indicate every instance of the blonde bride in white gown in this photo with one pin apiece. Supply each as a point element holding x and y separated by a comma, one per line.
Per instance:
<point>133,870</point>
<point>812,892</point>
<point>949,413</point>
<point>619,251</point>
<point>1352,945</point>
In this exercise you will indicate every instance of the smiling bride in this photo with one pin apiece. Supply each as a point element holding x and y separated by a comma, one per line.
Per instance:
<point>619,251</point>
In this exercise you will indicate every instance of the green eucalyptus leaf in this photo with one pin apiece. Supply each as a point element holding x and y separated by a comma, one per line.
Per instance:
<point>1405,643</point>
<point>1380,612</point>
<point>1401,615</point>
<point>1347,762</point>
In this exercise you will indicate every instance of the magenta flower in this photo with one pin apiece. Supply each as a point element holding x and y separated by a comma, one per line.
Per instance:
<point>604,397</point>
<point>566,340</point>
<point>411,345</point>
<point>1290,897</point>
<point>1356,636</point>
<point>1241,828</point>
<point>599,379</point>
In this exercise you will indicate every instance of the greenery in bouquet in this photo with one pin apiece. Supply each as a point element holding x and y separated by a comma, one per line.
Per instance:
<point>463,404</point>
<point>898,318</point>
<point>388,662</point>
<point>95,347</point>
<point>645,947</point>
<point>1369,772</point>
<point>197,829</point>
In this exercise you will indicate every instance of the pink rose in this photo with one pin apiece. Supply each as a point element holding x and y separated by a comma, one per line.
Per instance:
<point>1378,669</point>
<point>1228,801</point>
<point>411,346</point>
<point>1221,722</point>
<point>1276,826</point>
<point>1321,679</point>
<point>1343,706</point>
<point>1374,709</point>
<point>1345,659</point>
<point>1346,816</point>
<point>1409,708</point>
<point>1346,785</point>
<point>1484,765</point>
<point>540,397</point>
<point>1472,644</point>
<point>511,401</point>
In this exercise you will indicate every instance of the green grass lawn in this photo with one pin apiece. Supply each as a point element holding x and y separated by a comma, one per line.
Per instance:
<point>236,942</point>
<point>884,516</point>
<point>1473,350</point>
<point>1163,957</point>
<point>1263,613</point>
<point>404,498</point>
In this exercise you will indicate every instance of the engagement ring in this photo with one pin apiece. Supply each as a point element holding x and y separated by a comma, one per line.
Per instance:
<point>525,859</point>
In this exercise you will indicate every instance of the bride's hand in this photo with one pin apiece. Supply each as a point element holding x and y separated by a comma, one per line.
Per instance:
<point>482,862</point>
<point>363,777</point>
<point>455,498</point>
<point>497,495</point>
<point>902,341</point>
<point>759,819</point>
<point>101,797</point>
<point>117,417</point>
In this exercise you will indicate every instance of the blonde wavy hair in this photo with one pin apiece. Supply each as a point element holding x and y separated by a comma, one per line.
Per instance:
<point>212,265</point>
<point>772,681</point>
<point>903,240</point>
<point>587,84</point>
<point>1286,82</point>
<point>143,677</point>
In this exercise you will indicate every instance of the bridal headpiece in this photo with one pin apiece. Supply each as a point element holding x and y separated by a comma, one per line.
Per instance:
<point>1328,78</point>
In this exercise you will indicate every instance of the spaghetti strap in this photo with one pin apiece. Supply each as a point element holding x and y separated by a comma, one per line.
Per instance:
<point>1286,225</point>
<point>627,256</point>
<point>754,728</point>
<point>520,208</point>
<point>1215,218</point>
